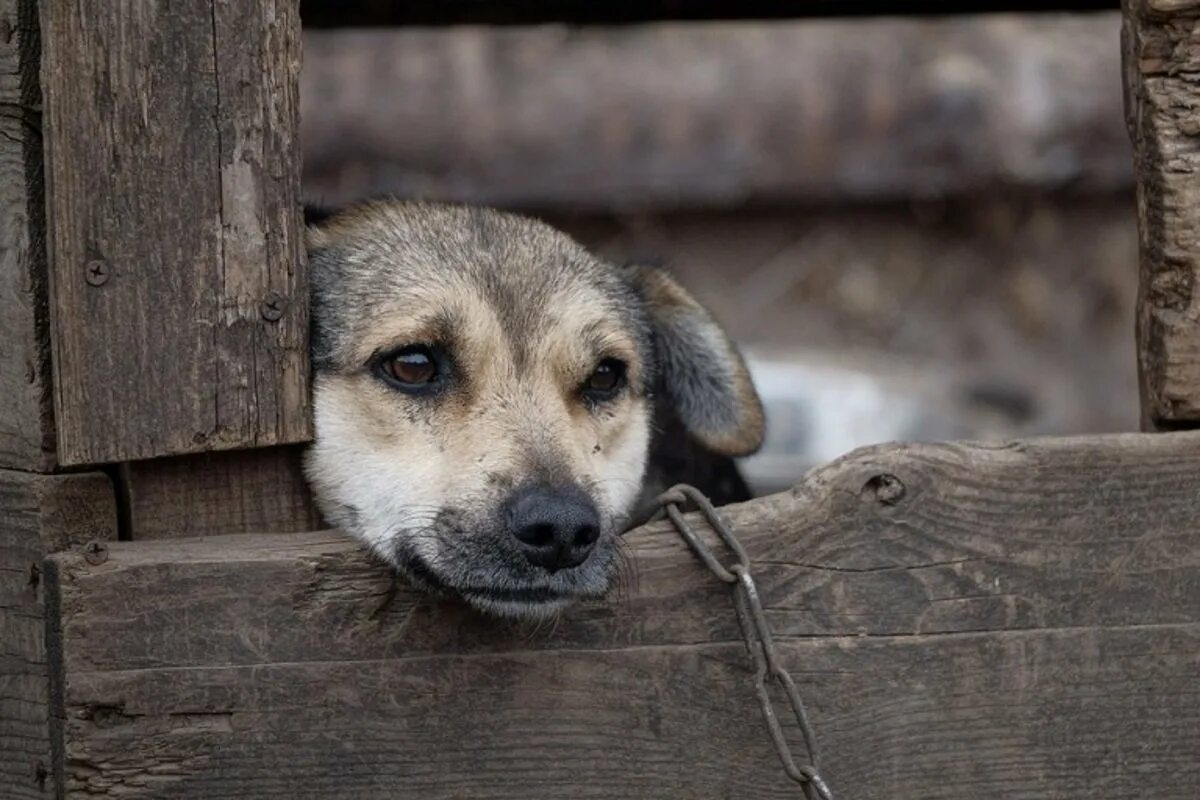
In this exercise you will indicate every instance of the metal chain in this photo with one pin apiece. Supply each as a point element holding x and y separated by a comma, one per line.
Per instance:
<point>757,633</point>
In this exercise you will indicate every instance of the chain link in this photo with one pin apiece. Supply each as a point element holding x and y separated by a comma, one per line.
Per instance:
<point>755,630</point>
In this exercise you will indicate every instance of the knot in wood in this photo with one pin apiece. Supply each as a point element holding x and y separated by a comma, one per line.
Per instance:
<point>886,488</point>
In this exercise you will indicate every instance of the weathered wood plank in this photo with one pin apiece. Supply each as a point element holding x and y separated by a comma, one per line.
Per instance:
<point>39,514</point>
<point>715,116</point>
<point>358,13</point>
<point>1042,534</point>
<point>239,491</point>
<point>1033,714</point>
<point>1008,622</point>
<point>179,307</point>
<point>26,415</point>
<point>1162,87</point>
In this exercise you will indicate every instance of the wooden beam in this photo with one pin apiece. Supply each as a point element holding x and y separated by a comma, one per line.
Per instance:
<point>39,514</point>
<point>26,416</point>
<point>239,491</point>
<point>357,13</point>
<point>1162,94</point>
<point>179,305</point>
<point>1016,620</point>
<point>667,117</point>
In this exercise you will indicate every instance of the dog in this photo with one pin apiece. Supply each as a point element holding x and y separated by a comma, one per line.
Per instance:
<point>488,395</point>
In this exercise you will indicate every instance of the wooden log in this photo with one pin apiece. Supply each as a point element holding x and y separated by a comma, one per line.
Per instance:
<point>39,514</point>
<point>715,116</point>
<point>26,415</point>
<point>1017,620</point>
<point>1161,55</point>
<point>179,304</point>
<point>240,491</point>
<point>358,13</point>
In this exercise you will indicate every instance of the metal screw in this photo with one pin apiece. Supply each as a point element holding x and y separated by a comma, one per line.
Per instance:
<point>95,553</point>
<point>888,489</point>
<point>272,307</point>
<point>97,273</point>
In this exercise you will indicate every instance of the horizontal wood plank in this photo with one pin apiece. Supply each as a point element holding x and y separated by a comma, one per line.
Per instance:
<point>358,13</point>
<point>238,491</point>
<point>1162,55</point>
<point>39,514</point>
<point>179,309</point>
<point>1020,620</point>
<point>662,117</point>
<point>26,413</point>
<point>1032,714</point>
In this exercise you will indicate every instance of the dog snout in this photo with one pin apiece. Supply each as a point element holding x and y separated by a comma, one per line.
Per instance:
<point>555,528</point>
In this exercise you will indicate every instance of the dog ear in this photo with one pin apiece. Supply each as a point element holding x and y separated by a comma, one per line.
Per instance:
<point>701,372</point>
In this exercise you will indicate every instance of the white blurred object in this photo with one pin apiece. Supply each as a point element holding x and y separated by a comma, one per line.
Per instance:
<point>821,405</point>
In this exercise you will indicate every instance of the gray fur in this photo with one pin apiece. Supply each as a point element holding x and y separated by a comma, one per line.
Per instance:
<point>369,263</point>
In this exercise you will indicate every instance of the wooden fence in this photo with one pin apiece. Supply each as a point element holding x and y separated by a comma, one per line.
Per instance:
<point>1016,620</point>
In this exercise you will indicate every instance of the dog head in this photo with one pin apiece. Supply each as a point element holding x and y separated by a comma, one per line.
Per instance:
<point>484,394</point>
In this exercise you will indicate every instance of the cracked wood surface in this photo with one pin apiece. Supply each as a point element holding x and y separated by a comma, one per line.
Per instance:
<point>39,514</point>
<point>1162,93</point>
<point>1022,620</point>
<point>26,417</point>
<point>179,306</point>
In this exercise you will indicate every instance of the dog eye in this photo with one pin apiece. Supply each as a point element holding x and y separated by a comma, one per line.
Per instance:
<point>607,379</point>
<point>411,368</point>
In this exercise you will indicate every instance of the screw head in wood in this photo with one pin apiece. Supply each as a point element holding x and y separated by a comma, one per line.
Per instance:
<point>273,306</point>
<point>97,272</point>
<point>95,553</point>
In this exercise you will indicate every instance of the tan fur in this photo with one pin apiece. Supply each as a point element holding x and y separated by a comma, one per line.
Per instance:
<point>667,297</point>
<point>532,314</point>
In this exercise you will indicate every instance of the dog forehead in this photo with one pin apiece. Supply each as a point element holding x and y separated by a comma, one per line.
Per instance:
<point>388,260</point>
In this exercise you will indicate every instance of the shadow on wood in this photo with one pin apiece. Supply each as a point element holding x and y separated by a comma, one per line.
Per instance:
<point>1023,620</point>
<point>337,13</point>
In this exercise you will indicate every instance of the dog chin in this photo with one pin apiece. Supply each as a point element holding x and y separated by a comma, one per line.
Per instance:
<point>533,611</point>
<point>516,600</point>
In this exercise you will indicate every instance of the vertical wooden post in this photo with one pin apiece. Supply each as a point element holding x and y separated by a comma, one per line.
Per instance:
<point>39,515</point>
<point>178,288</point>
<point>26,421</point>
<point>1161,46</point>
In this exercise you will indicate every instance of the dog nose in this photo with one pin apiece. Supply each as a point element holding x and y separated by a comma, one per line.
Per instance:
<point>555,528</point>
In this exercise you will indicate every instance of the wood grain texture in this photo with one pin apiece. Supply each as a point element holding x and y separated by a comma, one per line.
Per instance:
<point>26,414</point>
<point>239,491</point>
<point>337,13</point>
<point>39,514</point>
<point>172,168</point>
<point>1023,622</point>
<point>664,117</point>
<point>1162,90</point>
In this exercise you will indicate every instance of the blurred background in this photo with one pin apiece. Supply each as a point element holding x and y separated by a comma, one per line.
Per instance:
<point>918,229</point>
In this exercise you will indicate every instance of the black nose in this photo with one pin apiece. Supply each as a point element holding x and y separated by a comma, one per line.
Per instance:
<point>555,528</point>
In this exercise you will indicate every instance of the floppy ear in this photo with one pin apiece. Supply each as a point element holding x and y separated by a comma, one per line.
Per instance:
<point>701,372</point>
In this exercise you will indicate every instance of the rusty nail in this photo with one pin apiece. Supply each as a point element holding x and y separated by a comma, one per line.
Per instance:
<point>888,489</point>
<point>97,273</point>
<point>95,553</point>
<point>272,307</point>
